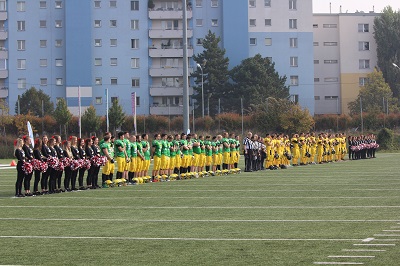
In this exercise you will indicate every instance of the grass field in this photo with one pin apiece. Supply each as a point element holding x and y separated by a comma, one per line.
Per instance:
<point>347,212</point>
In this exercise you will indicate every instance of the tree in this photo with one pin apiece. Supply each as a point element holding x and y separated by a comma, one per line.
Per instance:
<point>387,37</point>
<point>31,101</point>
<point>116,115</point>
<point>254,80</point>
<point>373,94</point>
<point>90,121</point>
<point>215,70</point>
<point>62,115</point>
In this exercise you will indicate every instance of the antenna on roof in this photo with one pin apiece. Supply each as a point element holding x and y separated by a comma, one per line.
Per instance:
<point>330,7</point>
<point>340,8</point>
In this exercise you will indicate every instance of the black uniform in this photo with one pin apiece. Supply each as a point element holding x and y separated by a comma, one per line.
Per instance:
<point>45,176</point>
<point>60,155</point>
<point>20,155</point>
<point>38,156</point>
<point>28,156</point>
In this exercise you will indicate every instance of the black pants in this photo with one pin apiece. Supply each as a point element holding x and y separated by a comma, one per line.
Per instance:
<point>247,161</point>
<point>95,176</point>
<point>53,179</point>
<point>45,179</point>
<point>80,178</point>
<point>67,177</point>
<point>73,178</point>
<point>37,180</point>
<point>20,179</point>
<point>59,178</point>
<point>27,181</point>
<point>89,178</point>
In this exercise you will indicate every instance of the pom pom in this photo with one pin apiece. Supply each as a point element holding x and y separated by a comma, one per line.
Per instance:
<point>27,168</point>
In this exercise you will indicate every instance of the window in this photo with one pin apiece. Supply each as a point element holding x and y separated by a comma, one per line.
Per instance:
<point>98,81</point>
<point>134,5</point>
<point>292,23</point>
<point>331,97</point>
<point>316,62</point>
<point>21,64</point>
<point>316,79</point>
<point>362,81</point>
<point>214,22</point>
<point>97,4</point>
<point>252,22</point>
<point>330,43</point>
<point>3,64</point>
<point>58,23</point>
<point>363,46</point>
<point>214,3</point>
<point>316,43</point>
<point>135,82</point>
<point>330,61</point>
<point>135,62</point>
<point>292,4</point>
<point>294,98</point>
<point>135,43</point>
<point>315,26</point>
<point>252,3</point>
<point>199,3</point>
<point>253,41</point>
<point>43,23</point>
<point>267,3</point>
<point>294,80</point>
<point>317,98</point>
<point>293,42</point>
<point>59,81</point>
<point>98,62</point>
<point>268,41</point>
<point>138,101</point>
<point>169,62</point>
<point>114,81</point>
<point>42,4</point>
<point>43,43</point>
<point>330,26</point>
<point>113,23</point>
<point>363,27</point>
<point>199,22</point>
<point>97,42</point>
<point>134,24</point>
<point>43,82</point>
<point>97,23</point>
<point>59,43</point>
<point>20,45</point>
<point>113,42</point>
<point>21,25</point>
<point>21,83</point>
<point>331,79</point>
<point>21,6</point>
<point>364,63</point>
<point>199,41</point>
<point>294,61</point>
<point>58,4</point>
<point>113,61</point>
<point>59,62</point>
<point>99,100</point>
<point>268,22</point>
<point>170,82</point>
<point>113,4</point>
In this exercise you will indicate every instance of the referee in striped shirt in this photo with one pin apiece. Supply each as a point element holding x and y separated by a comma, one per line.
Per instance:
<point>248,152</point>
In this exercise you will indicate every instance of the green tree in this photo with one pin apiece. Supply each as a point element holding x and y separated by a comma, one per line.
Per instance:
<point>373,94</point>
<point>62,115</point>
<point>216,74</point>
<point>254,80</point>
<point>90,121</point>
<point>387,37</point>
<point>31,101</point>
<point>116,115</point>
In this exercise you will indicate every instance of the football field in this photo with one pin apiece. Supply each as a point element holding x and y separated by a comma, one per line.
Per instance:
<point>344,213</point>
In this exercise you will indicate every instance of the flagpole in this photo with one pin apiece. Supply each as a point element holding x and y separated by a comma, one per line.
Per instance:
<point>80,114</point>
<point>108,121</point>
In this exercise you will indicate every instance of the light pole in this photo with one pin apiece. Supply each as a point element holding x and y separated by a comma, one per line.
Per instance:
<point>396,66</point>
<point>202,89</point>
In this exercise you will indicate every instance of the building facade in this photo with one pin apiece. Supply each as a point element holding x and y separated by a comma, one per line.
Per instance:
<point>77,49</point>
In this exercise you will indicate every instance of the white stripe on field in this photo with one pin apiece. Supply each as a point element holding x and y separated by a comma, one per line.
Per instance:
<point>395,235</point>
<point>363,250</point>
<point>375,245</point>
<point>332,256</point>
<point>181,238</point>
<point>338,263</point>
<point>192,221</point>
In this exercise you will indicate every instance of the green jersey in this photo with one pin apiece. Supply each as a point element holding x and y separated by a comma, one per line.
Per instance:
<point>107,146</point>
<point>196,146</point>
<point>225,145</point>
<point>139,148</point>
<point>184,143</point>
<point>166,148</point>
<point>146,147</point>
<point>134,150</point>
<point>208,148</point>
<point>119,144</point>
<point>156,144</point>
<point>128,147</point>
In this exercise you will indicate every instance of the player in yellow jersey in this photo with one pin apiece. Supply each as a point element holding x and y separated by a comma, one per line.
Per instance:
<point>295,149</point>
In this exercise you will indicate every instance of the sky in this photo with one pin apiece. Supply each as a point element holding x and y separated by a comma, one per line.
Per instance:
<point>351,6</point>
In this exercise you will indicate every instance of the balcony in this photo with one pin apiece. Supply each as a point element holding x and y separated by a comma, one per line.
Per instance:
<point>169,52</point>
<point>3,15</point>
<point>168,72</point>
<point>3,34</point>
<point>165,110</point>
<point>168,91</point>
<point>168,34</point>
<point>160,13</point>
<point>4,92</point>
<point>3,74</point>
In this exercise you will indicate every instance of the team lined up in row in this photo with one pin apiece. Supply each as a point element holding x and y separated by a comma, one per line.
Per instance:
<point>279,150</point>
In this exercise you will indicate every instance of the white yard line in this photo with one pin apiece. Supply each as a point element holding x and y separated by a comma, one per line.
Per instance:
<point>363,250</point>
<point>338,263</point>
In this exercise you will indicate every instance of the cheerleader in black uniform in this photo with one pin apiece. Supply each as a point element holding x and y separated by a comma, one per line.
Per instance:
<point>96,151</point>
<point>89,155</point>
<point>82,155</point>
<point>60,155</point>
<point>53,173</point>
<point>28,157</point>
<point>37,154</point>
<point>350,143</point>
<point>68,172</point>
<point>75,155</point>
<point>20,155</point>
<point>45,176</point>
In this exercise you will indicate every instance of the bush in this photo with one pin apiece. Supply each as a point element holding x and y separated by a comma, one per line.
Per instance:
<point>385,139</point>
